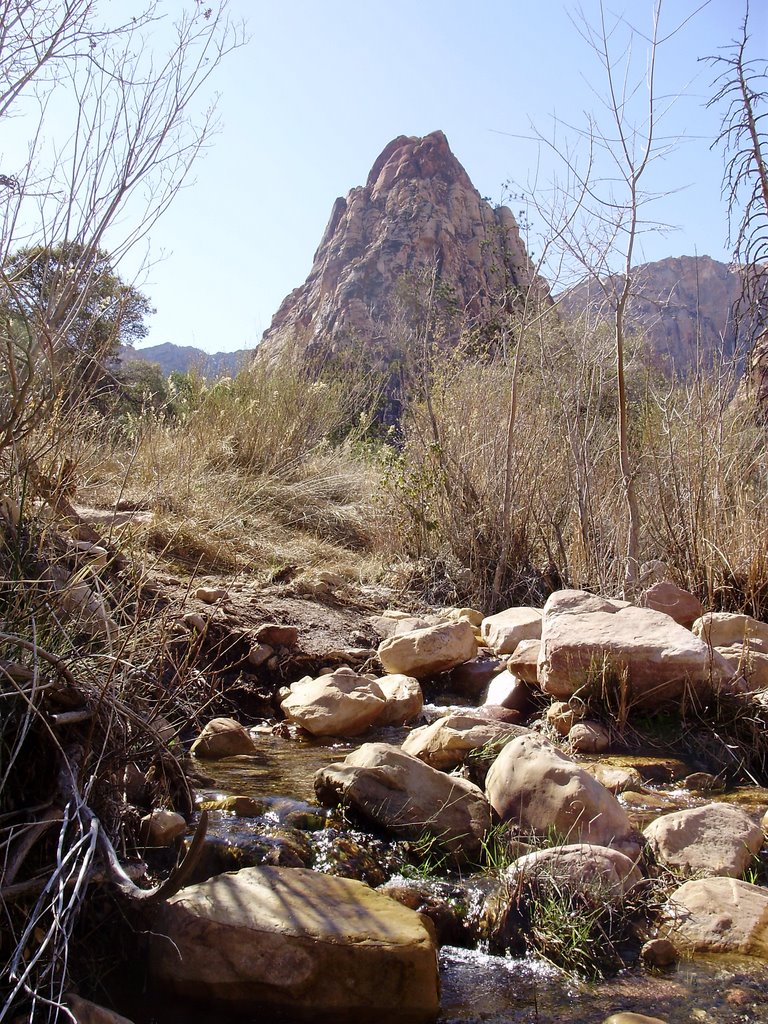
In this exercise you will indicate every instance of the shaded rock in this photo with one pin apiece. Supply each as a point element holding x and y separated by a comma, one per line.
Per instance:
<point>435,901</point>
<point>259,654</point>
<point>716,839</point>
<point>403,795</point>
<point>589,738</point>
<point>679,604</point>
<point>295,940</point>
<point>615,778</point>
<point>427,652</point>
<point>496,713</point>
<point>504,631</point>
<point>635,656</point>
<point>562,716</point>
<point>242,806</point>
<point>719,915</point>
<point>524,663</point>
<point>86,1012</point>
<point>471,678</point>
<point>403,699</point>
<point>748,662</point>
<point>534,785</point>
<point>507,691</point>
<point>445,743</point>
<point>161,827</point>
<point>222,737</point>
<point>659,953</point>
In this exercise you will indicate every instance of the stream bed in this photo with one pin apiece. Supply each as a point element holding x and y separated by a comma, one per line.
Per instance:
<point>475,985</point>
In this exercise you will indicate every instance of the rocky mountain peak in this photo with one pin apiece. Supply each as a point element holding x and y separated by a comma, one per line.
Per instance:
<point>417,215</point>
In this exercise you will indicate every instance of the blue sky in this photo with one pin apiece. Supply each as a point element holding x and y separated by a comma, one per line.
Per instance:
<point>319,90</point>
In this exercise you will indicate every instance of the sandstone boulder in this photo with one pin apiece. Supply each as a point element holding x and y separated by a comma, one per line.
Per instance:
<point>427,652</point>
<point>749,662</point>
<point>445,743</point>
<point>403,697</point>
<point>679,604</point>
<point>161,827</point>
<point>294,940</point>
<point>341,703</point>
<point>720,915</point>
<point>535,786</point>
<point>504,631</point>
<point>589,738</point>
<point>715,839</point>
<point>222,737</point>
<point>524,663</point>
<point>609,646</point>
<point>86,1012</point>
<point>607,873</point>
<point>723,629</point>
<point>403,795</point>
<point>507,691</point>
<point>472,678</point>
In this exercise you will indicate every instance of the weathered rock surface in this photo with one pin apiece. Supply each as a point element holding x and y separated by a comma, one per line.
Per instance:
<point>748,662</point>
<point>723,629</point>
<point>294,939</point>
<point>418,208</point>
<point>505,630</point>
<point>403,697</point>
<point>579,867</point>
<point>535,786</point>
<point>426,652</point>
<point>507,691</point>
<point>402,794</point>
<point>222,737</point>
<point>472,678</point>
<point>589,738</point>
<point>715,839</point>
<point>720,915</point>
<point>659,659</point>
<point>524,663</point>
<point>161,827</point>
<point>679,604</point>
<point>445,743</point>
<point>344,703</point>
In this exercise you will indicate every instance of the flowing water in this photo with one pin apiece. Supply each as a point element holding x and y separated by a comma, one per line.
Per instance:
<point>476,986</point>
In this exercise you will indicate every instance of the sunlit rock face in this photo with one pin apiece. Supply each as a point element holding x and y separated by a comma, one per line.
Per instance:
<point>418,218</point>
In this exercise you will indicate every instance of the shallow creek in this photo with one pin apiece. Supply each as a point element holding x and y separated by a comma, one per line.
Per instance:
<point>475,985</point>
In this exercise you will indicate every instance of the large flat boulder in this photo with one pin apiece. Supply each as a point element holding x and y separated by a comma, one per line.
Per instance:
<point>403,795</point>
<point>601,645</point>
<point>534,785</point>
<point>714,839</point>
<point>503,631</point>
<point>446,742</point>
<point>298,941</point>
<point>719,915</point>
<point>426,652</point>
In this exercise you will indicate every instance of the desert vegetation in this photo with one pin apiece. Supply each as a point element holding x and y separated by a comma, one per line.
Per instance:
<point>504,478</point>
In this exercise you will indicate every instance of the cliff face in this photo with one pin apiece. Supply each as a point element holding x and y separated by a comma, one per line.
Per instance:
<point>684,308</point>
<point>418,213</point>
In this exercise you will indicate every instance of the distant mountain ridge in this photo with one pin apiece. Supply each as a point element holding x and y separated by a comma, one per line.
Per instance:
<point>685,307</point>
<point>182,358</point>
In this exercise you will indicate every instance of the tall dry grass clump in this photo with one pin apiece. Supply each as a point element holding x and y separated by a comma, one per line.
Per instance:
<point>698,461</point>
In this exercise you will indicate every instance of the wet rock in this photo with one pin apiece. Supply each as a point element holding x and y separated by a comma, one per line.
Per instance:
<point>295,940</point>
<point>648,658</point>
<point>345,856</point>
<point>524,663</point>
<point>679,604</point>
<point>472,677</point>
<point>445,743</point>
<point>632,1018</point>
<point>719,915</point>
<point>401,794</point>
<point>715,839</point>
<point>222,737</point>
<point>435,901</point>
<point>504,631</point>
<point>242,806</point>
<point>162,828</point>
<point>589,738</point>
<point>615,778</point>
<point>85,1012</point>
<point>426,652</point>
<point>659,953</point>
<point>704,782</point>
<point>534,785</point>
